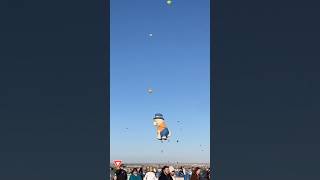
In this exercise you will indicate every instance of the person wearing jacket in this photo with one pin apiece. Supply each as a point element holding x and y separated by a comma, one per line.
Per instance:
<point>120,174</point>
<point>181,172</point>
<point>140,172</point>
<point>165,174</point>
<point>208,174</point>
<point>186,174</point>
<point>195,174</point>
<point>150,175</point>
<point>134,175</point>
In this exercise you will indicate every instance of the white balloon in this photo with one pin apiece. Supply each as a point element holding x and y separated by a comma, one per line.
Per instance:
<point>169,2</point>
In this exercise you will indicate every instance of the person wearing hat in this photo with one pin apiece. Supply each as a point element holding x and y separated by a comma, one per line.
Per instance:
<point>172,172</point>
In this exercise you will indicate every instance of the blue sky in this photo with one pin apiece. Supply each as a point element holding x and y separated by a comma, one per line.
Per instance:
<point>174,62</point>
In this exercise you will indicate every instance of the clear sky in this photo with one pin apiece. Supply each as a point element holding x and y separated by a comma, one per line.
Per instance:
<point>174,62</point>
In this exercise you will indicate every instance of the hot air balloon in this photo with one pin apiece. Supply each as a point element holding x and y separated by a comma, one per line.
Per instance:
<point>169,2</point>
<point>163,132</point>
<point>150,91</point>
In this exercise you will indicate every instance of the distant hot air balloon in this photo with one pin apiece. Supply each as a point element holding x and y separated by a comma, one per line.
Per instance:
<point>169,2</point>
<point>150,91</point>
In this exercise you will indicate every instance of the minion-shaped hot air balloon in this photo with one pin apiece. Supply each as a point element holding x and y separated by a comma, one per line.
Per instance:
<point>163,132</point>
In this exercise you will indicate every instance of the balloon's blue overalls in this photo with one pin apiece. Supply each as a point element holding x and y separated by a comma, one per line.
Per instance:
<point>164,133</point>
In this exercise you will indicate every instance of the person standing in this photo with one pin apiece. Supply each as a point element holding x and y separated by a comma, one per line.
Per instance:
<point>112,173</point>
<point>181,172</point>
<point>121,174</point>
<point>208,173</point>
<point>150,175</point>
<point>140,172</point>
<point>134,175</point>
<point>172,172</point>
<point>186,174</point>
<point>165,174</point>
<point>195,174</point>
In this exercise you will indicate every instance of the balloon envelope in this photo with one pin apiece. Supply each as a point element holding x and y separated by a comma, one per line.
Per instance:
<point>169,2</point>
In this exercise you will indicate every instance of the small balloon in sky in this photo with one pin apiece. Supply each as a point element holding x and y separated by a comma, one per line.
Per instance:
<point>169,2</point>
<point>150,91</point>
<point>150,34</point>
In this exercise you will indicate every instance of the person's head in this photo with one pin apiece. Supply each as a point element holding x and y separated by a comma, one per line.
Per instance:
<point>196,171</point>
<point>172,171</point>
<point>134,171</point>
<point>165,170</point>
<point>120,167</point>
<point>149,169</point>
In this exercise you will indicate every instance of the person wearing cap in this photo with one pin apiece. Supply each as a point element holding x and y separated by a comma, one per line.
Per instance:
<point>172,172</point>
